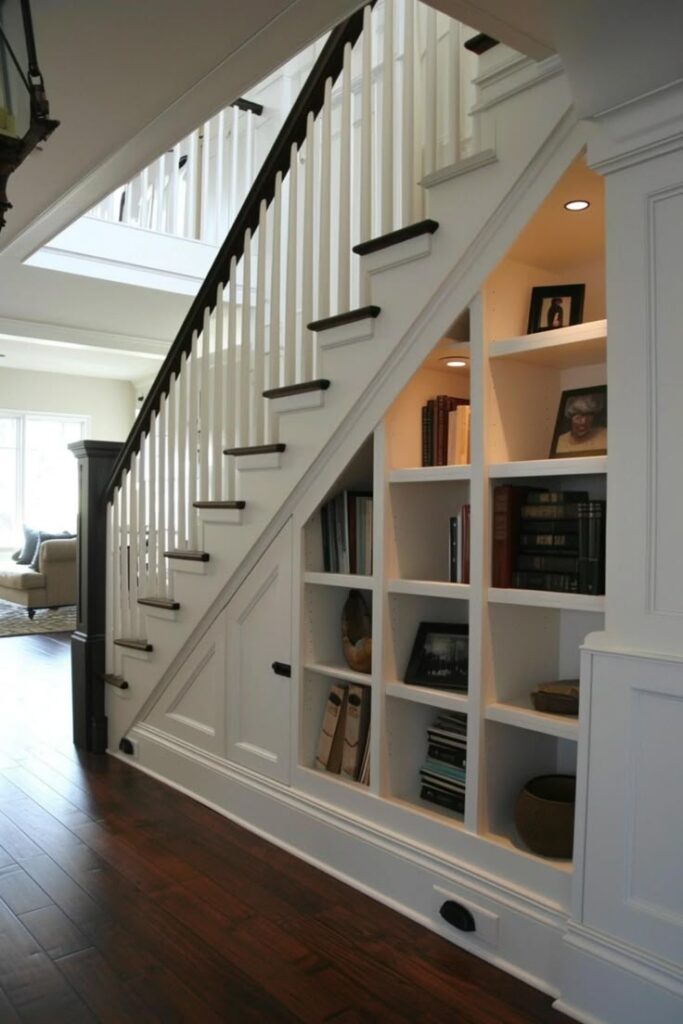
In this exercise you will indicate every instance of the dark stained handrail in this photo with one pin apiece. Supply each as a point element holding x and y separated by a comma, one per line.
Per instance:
<point>293,132</point>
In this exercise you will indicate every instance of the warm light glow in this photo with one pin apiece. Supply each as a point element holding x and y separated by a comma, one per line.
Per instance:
<point>455,361</point>
<point>577,204</point>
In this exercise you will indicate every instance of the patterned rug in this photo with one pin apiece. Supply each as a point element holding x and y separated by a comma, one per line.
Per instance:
<point>14,620</point>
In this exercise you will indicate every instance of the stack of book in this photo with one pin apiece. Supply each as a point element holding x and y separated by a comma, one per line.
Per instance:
<point>344,742</point>
<point>548,540</point>
<point>446,431</point>
<point>442,775</point>
<point>346,523</point>
<point>459,547</point>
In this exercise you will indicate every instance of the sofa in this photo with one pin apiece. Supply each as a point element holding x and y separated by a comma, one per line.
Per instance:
<point>51,585</point>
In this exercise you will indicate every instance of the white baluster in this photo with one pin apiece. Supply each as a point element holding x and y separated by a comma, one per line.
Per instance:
<point>134,541</point>
<point>307,286</point>
<point>387,187</point>
<point>218,171</point>
<point>366,146</point>
<point>183,449</point>
<point>160,483</point>
<point>173,456</point>
<point>219,392</point>
<point>142,519</point>
<point>205,219</point>
<point>245,347</point>
<point>112,590</point>
<point>158,221</point>
<point>234,162</point>
<point>257,431</point>
<point>408,115</point>
<point>430,92</point>
<point>290,302</point>
<point>325,203</point>
<point>192,178</point>
<point>152,505</point>
<point>204,408</point>
<point>232,381</point>
<point>249,177</point>
<point>125,555</point>
<point>344,250</point>
<point>275,271</point>
<point>193,387</point>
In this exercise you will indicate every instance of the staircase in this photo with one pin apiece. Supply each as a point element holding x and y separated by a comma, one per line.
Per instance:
<point>301,336</point>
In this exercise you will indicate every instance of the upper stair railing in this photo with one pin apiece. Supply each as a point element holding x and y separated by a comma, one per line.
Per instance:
<point>383,106</point>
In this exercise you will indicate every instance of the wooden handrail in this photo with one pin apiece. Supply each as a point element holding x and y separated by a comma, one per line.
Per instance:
<point>293,132</point>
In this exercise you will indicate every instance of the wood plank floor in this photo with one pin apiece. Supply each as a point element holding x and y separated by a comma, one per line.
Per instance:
<point>122,900</point>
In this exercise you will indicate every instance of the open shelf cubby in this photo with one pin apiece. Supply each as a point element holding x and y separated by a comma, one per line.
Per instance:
<point>316,691</point>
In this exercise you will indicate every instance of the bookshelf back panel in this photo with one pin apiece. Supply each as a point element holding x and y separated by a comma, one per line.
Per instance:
<point>323,608</point>
<point>419,548</point>
<point>513,757</point>
<point>406,750</point>
<point>404,419</point>
<point>406,612</point>
<point>534,645</point>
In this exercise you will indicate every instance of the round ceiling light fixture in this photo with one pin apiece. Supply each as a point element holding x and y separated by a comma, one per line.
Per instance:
<point>455,362</point>
<point>577,204</point>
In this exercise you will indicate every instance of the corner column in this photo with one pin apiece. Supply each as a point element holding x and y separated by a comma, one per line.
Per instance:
<point>95,462</point>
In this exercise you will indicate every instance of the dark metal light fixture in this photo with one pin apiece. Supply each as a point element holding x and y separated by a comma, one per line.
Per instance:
<point>24,109</point>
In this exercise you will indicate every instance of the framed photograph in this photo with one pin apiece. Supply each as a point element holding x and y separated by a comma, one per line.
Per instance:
<point>581,426</point>
<point>555,305</point>
<point>440,656</point>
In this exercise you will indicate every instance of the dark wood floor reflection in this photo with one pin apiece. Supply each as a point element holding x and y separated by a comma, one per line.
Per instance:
<point>122,900</point>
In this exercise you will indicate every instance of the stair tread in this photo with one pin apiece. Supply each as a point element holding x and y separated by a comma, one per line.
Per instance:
<point>135,643</point>
<point>422,227</point>
<point>297,389</point>
<point>363,313</point>
<point>188,556</point>
<point>219,504</point>
<point>160,602</point>
<point>258,449</point>
<point>113,680</point>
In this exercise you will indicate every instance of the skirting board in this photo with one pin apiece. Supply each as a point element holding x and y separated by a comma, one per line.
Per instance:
<point>356,852</point>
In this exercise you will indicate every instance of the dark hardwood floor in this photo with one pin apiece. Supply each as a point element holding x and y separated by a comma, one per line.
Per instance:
<point>122,900</point>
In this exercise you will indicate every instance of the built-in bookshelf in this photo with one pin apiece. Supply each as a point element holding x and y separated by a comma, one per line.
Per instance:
<point>519,638</point>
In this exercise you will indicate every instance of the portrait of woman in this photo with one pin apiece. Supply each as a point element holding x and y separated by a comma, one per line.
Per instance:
<point>581,426</point>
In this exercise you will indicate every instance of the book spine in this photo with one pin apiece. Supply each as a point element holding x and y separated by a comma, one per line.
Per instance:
<point>325,530</point>
<point>425,436</point>
<point>563,581</point>
<point>556,497</point>
<point>548,563</point>
<point>329,729</point>
<point>465,543</point>
<point>441,430</point>
<point>430,432</point>
<point>592,518</point>
<point>566,543</point>
<point>450,755</point>
<point>564,511</point>
<point>435,796</point>
<point>505,500</point>
<point>352,516</point>
<point>351,752</point>
<point>453,549</point>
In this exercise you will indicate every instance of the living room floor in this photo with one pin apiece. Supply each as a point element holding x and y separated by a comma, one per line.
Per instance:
<point>121,899</point>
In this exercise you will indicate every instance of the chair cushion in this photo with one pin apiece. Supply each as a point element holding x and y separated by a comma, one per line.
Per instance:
<point>20,579</point>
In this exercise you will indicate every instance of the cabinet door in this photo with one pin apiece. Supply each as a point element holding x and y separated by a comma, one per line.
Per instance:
<point>259,634</point>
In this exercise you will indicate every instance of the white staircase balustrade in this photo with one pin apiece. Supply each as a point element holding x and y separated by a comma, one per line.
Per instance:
<point>353,178</point>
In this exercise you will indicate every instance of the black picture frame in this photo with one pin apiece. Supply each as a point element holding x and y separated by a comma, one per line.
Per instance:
<point>555,305</point>
<point>440,656</point>
<point>581,424</point>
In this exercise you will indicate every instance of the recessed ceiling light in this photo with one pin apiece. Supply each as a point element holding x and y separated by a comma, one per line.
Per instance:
<point>577,204</point>
<point>455,362</point>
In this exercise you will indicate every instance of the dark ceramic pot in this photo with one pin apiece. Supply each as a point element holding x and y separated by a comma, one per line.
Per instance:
<point>544,815</point>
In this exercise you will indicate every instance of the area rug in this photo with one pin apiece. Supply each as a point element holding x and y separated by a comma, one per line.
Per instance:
<point>14,620</point>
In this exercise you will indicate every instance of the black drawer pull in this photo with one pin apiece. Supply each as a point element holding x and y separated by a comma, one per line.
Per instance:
<point>281,669</point>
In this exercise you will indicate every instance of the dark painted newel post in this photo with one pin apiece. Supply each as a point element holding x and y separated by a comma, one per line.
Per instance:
<point>95,462</point>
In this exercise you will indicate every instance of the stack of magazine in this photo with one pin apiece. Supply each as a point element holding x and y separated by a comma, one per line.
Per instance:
<point>443,773</point>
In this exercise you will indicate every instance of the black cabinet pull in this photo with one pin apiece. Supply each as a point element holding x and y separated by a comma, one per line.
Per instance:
<point>281,669</point>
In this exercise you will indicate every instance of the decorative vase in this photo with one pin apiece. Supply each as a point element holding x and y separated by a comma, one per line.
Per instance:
<point>357,632</point>
<point>544,815</point>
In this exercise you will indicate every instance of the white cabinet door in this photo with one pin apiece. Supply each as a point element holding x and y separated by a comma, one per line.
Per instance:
<point>258,630</point>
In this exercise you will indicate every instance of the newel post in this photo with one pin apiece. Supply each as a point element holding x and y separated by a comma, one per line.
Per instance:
<point>95,462</point>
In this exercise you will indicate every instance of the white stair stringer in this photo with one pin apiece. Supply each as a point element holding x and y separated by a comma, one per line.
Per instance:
<point>501,196</point>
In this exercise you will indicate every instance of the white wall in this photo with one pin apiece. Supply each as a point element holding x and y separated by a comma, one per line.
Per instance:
<point>109,403</point>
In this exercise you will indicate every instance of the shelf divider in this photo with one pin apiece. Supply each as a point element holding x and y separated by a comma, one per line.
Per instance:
<point>578,466</point>
<point>563,726</point>
<point>428,474</point>
<point>430,588</point>
<point>547,599</point>
<point>444,699</point>
<point>339,579</point>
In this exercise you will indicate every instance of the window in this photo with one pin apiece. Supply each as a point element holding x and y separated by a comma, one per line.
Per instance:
<point>38,473</point>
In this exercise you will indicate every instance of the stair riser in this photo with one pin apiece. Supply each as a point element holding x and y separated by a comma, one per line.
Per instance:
<point>222,516</point>
<point>165,614</point>
<point>296,403</point>
<point>262,460</point>
<point>183,565</point>
<point>347,334</point>
<point>130,652</point>
<point>396,255</point>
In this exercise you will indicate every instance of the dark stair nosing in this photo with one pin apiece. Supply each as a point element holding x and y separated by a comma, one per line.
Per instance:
<point>258,449</point>
<point>134,644</point>
<point>423,227</point>
<point>480,43</point>
<point>188,556</point>
<point>219,504</point>
<point>118,681</point>
<point>297,389</point>
<point>160,602</point>
<point>364,313</point>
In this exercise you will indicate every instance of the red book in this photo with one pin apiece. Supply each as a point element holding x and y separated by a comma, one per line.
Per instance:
<point>507,500</point>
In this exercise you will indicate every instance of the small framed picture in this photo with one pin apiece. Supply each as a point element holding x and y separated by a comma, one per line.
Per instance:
<point>581,426</point>
<point>555,305</point>
<point>440,656</point>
